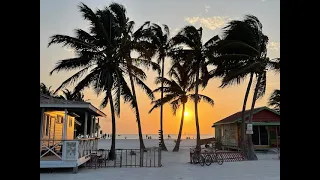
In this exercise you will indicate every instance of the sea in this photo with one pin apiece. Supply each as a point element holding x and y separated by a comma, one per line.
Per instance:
<point>156,136</point>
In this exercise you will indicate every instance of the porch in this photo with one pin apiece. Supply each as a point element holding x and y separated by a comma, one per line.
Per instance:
<point>75,154</point>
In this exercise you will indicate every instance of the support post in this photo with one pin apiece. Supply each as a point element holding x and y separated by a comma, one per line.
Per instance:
<point>85,124</point>
<point>75,169</point>
<point>98,131</point>
<point>91,125</point>
<point>159,157</point>
<point>277,142</point>
<point>41,127</point>
<point>259,135</point>
<point>94,126</point>
<point>65,120</point>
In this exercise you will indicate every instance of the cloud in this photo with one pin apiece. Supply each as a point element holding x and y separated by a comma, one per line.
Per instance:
<point>274,46</point>
<point>206,7</point>
<point>175,31</point>
<point>209,22</point>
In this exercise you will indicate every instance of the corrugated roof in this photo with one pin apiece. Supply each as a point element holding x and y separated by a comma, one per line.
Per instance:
<point>237,116</point>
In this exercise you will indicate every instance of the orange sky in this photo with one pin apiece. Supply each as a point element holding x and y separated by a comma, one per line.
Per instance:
<point>62,17</point>
<point>227,101</point>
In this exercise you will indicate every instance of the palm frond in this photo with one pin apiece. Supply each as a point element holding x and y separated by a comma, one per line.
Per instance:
<point>202,97</point>
<point>157,103</point>
<point>261,87</point>
<point>175,105</point>
<point>71,64</point>
<point>274,100</point>
<point>143,86</point>
<point>71,80</point>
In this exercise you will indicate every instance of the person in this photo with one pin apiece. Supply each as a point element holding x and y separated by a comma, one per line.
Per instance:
<point>169,137</point>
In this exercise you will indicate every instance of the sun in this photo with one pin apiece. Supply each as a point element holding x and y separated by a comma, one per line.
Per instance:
<point>186,113</point>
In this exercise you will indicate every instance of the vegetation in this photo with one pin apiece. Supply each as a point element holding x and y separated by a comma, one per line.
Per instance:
<point>104,63</point>
<point>274,100</point>
<point>177,92</point>
<point>160,38</point>
<point>241,53</point>
<point>197,56</point>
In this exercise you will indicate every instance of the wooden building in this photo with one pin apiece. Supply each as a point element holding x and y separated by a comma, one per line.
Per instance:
<point>266,129</point>
<point>58,146</point>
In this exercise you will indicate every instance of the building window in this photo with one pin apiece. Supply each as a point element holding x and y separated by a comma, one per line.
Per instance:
<point>47,124</point>
<point>59,119</point>
<point>70,122</point>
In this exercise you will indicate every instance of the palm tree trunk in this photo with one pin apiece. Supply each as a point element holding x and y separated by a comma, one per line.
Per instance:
<point>243,145</point>
<point>113,139</point>
<point>163,146</point>
<point>176,147</point>
<point>251,154</point>
<point>196,109</point>
<point>137,112</point>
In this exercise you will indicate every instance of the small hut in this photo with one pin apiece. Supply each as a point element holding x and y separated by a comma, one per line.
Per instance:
<point>58,146</point>
<point>266,129</point>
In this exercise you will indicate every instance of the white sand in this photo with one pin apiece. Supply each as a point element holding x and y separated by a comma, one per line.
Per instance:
<point>176,166</point>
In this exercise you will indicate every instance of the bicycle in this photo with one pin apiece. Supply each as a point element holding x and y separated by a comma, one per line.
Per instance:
<point>197,157</point>
<point>213,157</point>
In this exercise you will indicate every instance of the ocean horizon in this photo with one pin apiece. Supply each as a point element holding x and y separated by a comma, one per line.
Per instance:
<point>165,136</point>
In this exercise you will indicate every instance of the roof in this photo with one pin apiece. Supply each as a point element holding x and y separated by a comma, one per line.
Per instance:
<point>236,117</point>
<point>51,102</point>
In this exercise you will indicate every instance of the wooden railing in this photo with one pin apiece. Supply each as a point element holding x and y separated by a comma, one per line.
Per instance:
<point>50,147</point>
<point>71,149</point>
<point>86,146</point>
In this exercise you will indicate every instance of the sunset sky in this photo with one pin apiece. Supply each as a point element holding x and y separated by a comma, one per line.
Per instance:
<point>62,17</point>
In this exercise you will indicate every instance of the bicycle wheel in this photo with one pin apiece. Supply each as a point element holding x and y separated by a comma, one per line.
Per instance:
<point>201,160</point>
<point>195,158</point>
<point>219,158</point>
<point>208,160</point>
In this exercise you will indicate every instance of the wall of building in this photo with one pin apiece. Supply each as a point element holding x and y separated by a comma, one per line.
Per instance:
<point>229,134</point>
<point>53,126</point>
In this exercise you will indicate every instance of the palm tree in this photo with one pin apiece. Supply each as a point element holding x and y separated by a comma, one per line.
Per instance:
<point>176,91</point>
<point>160,38</point>
<point>98,52</point>
<point>242,52</point>
<point>137,41</point>
<point>196,55</point>
<point>46,90</point>
<point>274,100</point>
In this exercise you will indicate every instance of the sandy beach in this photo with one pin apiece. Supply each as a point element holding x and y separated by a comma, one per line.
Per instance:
<point>175,166</point>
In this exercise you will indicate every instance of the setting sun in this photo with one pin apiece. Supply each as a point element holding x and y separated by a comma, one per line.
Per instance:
<point>186,113</point>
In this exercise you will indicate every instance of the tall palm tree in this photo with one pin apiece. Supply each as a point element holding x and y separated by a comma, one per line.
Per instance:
<point>137,41</point>
<point>259,90</point>
<point>274,100</point>
<point>98,52</point>
<point>242,52</point>
<point>177,90</point>
<point>160,38</point>
<point>197,55</point>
